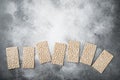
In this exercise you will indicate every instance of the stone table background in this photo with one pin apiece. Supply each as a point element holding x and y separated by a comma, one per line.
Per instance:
<point>26,22</point>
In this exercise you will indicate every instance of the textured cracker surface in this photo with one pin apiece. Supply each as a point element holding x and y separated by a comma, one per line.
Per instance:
<point>102,61</point>
<point>43,52</point>
<point>88,53</point>
<point>73,51</point>
<point>12,57</point>
<point>28,57</point>
<point>59,53</point>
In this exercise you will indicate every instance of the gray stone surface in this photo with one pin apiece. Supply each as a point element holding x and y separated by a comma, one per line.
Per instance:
<point>25,22</point>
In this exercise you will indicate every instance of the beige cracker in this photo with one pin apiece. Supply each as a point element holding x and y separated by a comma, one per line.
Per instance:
<point>73,51</point>
<point>12,57</point>
<point>59,53</point>
<point>102,61</point>
<point>43,52</point>
<point>28,57</point>
<point>88,53</point>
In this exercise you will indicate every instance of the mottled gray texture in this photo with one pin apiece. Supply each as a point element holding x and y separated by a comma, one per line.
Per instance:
<point>25,22</point>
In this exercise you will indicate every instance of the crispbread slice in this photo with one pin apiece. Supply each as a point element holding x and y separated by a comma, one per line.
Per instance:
<point>12,57</point>
<point>43,52</point>
<point>88,53</point>
<point>73,51</point>
<point>59,53</point>
<point>102,61</point>
<point>28,57</point>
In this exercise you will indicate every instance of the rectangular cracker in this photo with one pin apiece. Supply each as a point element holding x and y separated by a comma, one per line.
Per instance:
<point>28,57</point>
<point>12,57</point>
<point>73,51</point>
<point>59,53</point>
<point>102,61</point>
<point>88,53</point>
<point>43,52</point>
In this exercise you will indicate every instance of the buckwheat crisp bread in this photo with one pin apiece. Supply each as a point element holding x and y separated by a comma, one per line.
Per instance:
<point>73,51</point>
<point>59,53</point>
<point>28,57</point>
<point>88,53</point>
<point>12,57</point>
<point>102,61</point>
<point>43,52</point>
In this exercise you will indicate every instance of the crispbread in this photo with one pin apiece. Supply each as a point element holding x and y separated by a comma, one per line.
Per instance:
<point>59,53</point>
<point>88,53</point>
<point>102,61</point>
<point>73,51</point>
<point>12,57</point>
<point>28,57</point>
<point>43,52</point>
